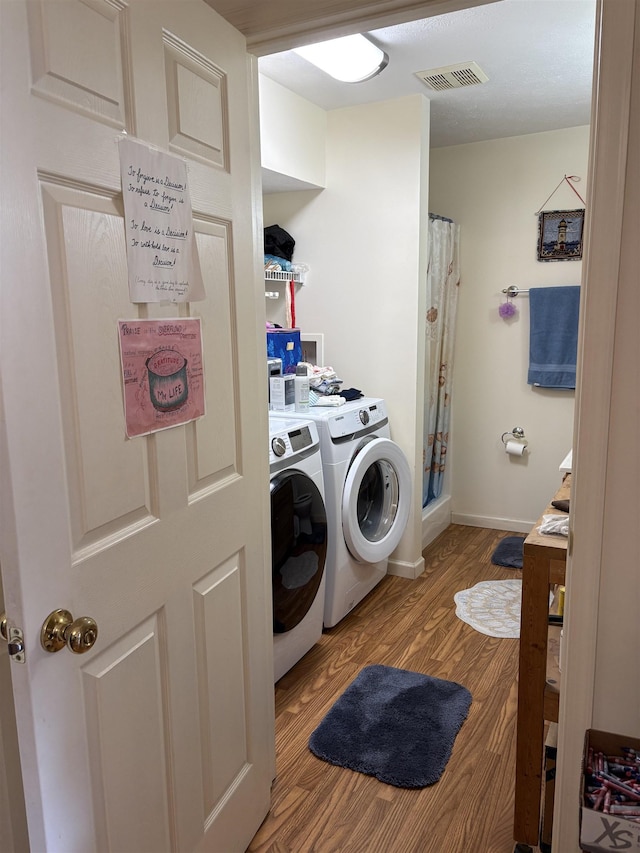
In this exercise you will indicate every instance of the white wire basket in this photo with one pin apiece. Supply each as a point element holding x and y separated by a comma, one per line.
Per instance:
<point>282,275</point>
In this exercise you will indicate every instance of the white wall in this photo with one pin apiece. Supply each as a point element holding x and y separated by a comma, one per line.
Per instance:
<point>293,133</point>
<point>363,238</point>
<point>492,189</point>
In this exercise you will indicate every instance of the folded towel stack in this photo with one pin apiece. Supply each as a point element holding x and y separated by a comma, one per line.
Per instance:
<point>325,399</point>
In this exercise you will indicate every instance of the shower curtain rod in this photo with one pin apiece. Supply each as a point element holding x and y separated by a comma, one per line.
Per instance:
<point>437,216</point>
<point>513,290</point>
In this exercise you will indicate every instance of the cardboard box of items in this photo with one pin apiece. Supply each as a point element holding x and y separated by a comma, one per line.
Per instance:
<point>609,825</point>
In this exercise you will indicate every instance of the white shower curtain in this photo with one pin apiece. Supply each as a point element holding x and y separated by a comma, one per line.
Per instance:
<point>443,279</point>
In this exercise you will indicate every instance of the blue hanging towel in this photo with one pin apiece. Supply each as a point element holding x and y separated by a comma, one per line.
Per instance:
<point>553,336</point>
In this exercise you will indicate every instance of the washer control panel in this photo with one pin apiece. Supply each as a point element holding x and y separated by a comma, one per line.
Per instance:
<point>288,439</point>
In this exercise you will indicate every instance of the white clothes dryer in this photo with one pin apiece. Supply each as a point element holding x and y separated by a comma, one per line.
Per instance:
<point>368,495</point>
<point>298,539</point>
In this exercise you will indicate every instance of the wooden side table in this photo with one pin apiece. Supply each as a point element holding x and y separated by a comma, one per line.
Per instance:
<point>544,563</point>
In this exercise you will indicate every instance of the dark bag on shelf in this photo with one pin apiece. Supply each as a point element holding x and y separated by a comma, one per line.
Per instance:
<point>278,242</point>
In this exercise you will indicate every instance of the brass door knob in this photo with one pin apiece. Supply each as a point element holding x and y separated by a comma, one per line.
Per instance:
<point>60,629</point>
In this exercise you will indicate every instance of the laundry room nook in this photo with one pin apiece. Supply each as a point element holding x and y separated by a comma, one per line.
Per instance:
<point>361,190</point>
<point>359,216</point>
<point>347,281</point>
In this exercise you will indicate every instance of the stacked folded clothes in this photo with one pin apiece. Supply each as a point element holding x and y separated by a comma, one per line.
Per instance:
<point>325,388</point>
<point>323,380</point>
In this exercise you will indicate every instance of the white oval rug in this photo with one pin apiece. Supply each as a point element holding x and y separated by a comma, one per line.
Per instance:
<point>491,607</point>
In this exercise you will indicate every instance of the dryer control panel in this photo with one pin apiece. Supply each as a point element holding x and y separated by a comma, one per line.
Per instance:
<point>357,420</point>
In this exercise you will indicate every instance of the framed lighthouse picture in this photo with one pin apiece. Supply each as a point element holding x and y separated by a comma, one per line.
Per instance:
<point>560,235</point>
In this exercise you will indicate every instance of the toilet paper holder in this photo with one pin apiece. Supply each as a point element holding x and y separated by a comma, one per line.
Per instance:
<point>516,433</point>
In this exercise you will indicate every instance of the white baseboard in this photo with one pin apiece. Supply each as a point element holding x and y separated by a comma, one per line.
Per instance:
<point>404,569</point>
<point>492,523</point>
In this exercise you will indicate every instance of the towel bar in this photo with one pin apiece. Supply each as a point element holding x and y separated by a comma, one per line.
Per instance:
<point>513,290</point>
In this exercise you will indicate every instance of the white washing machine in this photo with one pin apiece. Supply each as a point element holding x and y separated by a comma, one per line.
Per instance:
<point>298,539</point>
<point>368,495</point>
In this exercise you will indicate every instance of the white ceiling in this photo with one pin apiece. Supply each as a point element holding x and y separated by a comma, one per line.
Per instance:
<point>538,55</point>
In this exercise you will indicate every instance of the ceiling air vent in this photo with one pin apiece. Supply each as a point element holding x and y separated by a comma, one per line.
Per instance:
<point>453,76</point>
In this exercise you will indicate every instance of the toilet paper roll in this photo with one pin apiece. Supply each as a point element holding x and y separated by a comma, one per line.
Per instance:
<point>515,448</point>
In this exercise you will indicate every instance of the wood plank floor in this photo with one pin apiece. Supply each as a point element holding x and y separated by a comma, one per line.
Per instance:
<point>410,624</point>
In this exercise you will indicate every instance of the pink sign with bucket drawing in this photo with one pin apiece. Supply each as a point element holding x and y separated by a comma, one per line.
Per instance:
<point>162,373</point>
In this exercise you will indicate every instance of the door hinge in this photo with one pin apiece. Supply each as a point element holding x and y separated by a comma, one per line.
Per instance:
<point>14,639</point>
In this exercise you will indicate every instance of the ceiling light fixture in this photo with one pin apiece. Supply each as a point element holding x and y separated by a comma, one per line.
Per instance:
<point>350,59</point>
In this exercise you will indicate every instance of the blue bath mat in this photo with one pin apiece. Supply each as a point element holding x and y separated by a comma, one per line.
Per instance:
<point>509,552</point>
<point>394,724</point>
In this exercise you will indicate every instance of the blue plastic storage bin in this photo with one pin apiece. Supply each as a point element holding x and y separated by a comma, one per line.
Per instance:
<point>285,344</point>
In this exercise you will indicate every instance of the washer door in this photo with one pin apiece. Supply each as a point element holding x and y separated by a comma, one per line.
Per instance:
<point>298,547</point>
<point>375,499</point>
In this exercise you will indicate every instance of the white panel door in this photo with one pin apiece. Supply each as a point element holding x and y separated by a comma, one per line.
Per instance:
<point>161,737</point>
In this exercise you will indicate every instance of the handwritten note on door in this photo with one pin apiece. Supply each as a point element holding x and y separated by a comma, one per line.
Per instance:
<point>162,255</point>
